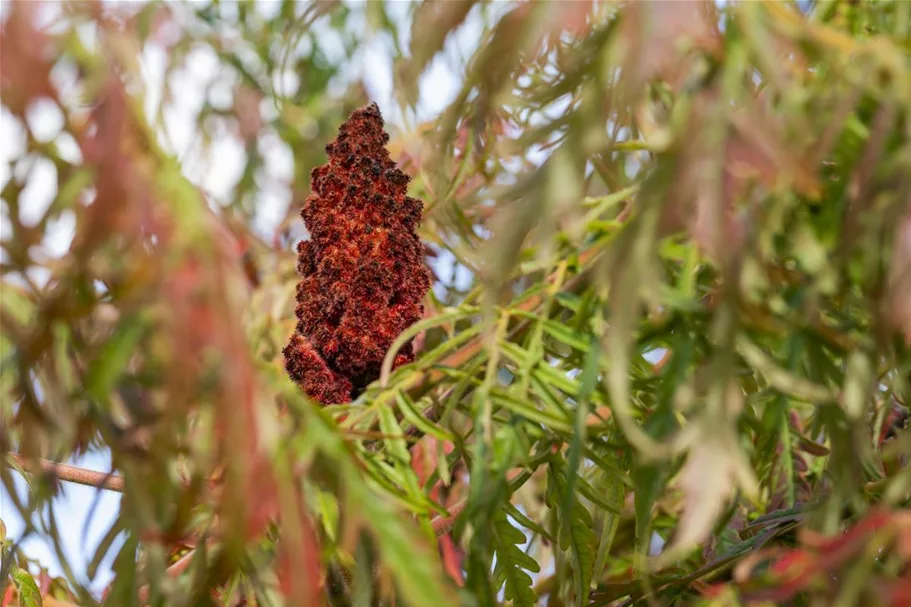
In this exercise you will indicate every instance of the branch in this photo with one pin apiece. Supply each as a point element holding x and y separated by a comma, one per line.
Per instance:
<point>71,474</point>
<point>421,383</point>
<point>176,568</point>
<point>442,524</point>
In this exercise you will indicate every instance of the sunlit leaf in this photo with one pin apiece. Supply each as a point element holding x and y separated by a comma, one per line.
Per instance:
<point>29,594</point>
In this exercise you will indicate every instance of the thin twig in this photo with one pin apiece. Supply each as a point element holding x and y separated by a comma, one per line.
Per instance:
<point>174,570</point>
<point>423,382</point>
<point>442,524</point>
<point>71,474</point>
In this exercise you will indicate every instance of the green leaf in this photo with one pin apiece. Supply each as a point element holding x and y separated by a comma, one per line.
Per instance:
<point>570,499</point>
<point>550,376</point>
<point>528,411</point>
<point>107,367</point>
<point>29,595</point>
<point>614,493</point>
<point>363,582</point>
<point>15,306</point>
<point>571,301</point>
<point>407,335</point>
<point>560,332</point>
<point>858,383</point>
<point>417,419</point>
<point>394,437</point>
<point>405,552</point>
<point>576,532</point>
<point>81,178</point>
<point>779,378</point>
<point>513,565</point>
<point>527,522</point>
<point>516,353</point>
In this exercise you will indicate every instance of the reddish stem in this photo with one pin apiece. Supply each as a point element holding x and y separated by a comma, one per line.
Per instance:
<point>72,474</point>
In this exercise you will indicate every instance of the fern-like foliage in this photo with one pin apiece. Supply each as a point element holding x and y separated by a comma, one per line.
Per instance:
<point>513,564</point>
<point>575,529</point>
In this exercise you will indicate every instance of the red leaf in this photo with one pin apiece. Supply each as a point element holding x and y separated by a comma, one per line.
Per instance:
<point>652,33</point>
<point>246,109</point>
<point>453,557</point>
<point>299,570</point>
<point>27,59</point>
<point>895,593</point>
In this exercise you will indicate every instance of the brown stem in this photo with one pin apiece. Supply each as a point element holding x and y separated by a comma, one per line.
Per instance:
<point>421,383</point>
<point>418,385</point>
<point>442,524</point>
<point>71,474</point>
<point>176,568</point>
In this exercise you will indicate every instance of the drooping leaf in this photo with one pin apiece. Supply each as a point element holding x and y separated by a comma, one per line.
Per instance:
<point>29,594</point>
<point>513,567</point>
<point>576,530</point>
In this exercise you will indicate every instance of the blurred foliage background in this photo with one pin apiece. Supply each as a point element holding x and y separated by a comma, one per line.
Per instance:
<point>665,359</point>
